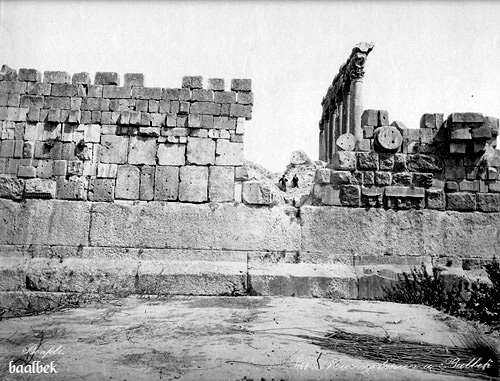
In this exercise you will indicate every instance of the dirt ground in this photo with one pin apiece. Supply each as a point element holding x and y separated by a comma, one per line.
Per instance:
<point>226,338</point>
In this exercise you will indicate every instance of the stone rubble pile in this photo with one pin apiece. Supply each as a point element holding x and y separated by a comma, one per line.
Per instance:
<point>67,138</point>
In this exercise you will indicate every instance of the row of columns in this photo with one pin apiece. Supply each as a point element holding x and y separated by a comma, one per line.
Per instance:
<point>343,105</point>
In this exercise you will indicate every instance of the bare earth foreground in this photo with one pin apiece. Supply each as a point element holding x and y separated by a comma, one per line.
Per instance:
<point>225,338</point>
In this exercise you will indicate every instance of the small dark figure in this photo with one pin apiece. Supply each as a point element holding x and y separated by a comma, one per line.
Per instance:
<point>295,181</point>
<point>283,182</point>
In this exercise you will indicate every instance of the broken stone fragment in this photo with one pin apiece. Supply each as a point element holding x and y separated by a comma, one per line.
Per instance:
<point>256,193</point>
<point>369,118</point>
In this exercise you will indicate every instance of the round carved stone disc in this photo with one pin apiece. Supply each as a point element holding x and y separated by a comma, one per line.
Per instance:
<point>346,142</point>
<point>388,138</point>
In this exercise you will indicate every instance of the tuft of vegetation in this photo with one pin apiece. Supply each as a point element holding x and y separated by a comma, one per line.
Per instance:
<point>477,301</point>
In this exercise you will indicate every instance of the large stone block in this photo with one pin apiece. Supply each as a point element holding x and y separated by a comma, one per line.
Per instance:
<point>200,151</point>
<point>424,163</point>
<point>56,77</point>
<point>171,154</point>
<point>166,183</point>
<point>9,212</point>
<point>379,232</point>
<point>127,182</point>
<point>344,160</point>
<point>142,151</point>
<point>11,187</point>
<point>106,78</point>
<point>488,202</point>
<point>221,184</point>
<point>101,190</point>
<point>461,201</point>
<point>228,153</point>
<point>193,184</point>
<point>52,222</point>
<point>114,149</point>
<point>71,189</point>
<point>225,226</point>
<point>40,188</point>
<point>256,193</point>
<point>147,185</point>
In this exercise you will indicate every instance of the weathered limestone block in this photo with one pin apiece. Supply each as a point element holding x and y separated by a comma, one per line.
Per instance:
<point>221,184</point>
<point>368,132</point>
<point>383,118</point>
<point>241,84</point>
<point>56,77</point>
<point>134,79</point>
<point>386,162</point>
<point>166,183</point>
<point>465,117</point>
<point>344,160</point>
<point>40,188</point>
<point>338,178</point>
<point>383,178</point>
<point>488,202</point>
<point>60,167</point>
<point>52,222</point>
<point>245,98</point>
<point>127,182</point>
<point>371,197</point>
<point>142,151</point>
<point>368,160</point>
<point>192,82</point>
<point>176,94</point>
<point>147,184</point>
<point>171,154</point>
<point>460,133</point>
<point>350,195</point>
<point>106,78</point>
<point>107,170</point>
<point>200,151</point>
<point>322,176</point>
<point>458,148</point>
<point>146,92</point>
<point>256,193</point>
<point>369,118</point>
<point>435,199</point>
<point>216,84</point>
<point>468,185</point>
<point>101,190</point>
<point>424,163</point>
<point>239,110</point>
<point>29,75</point>
<point>160,225</point>
<point>193,184</point>
<point>369,178</point>
<point>228,153</point>
<point>423,180</point>
<point>11,187</point>
<point>387,139</point>
<point>33,101</point>
<point>225,97</point>
<point>331,196</point>
<point>461,201</point>
<point>71,189</point>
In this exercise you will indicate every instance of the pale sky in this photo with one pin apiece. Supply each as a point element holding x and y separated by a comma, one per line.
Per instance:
<point>428,57</point>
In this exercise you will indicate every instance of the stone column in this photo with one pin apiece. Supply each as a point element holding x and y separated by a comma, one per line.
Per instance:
<point>333,132</point>
<point>356,106</point>
<point>347,114</point>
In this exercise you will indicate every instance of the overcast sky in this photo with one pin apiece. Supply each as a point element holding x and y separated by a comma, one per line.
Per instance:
<point>428,57</point>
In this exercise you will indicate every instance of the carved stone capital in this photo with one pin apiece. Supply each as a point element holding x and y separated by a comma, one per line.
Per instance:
<point>357,65</point>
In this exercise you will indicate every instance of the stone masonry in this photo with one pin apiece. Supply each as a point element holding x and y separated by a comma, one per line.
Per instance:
<point>110,187</point>
<point>67,138</point>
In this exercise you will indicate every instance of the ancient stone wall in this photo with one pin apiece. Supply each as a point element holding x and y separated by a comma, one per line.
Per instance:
<point>69,139</point>
<point>110,188</point>
<point>446,164</point>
